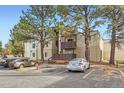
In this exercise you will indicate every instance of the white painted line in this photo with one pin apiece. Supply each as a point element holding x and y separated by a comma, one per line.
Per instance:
<point>122,73</point>
<point>88,74</point>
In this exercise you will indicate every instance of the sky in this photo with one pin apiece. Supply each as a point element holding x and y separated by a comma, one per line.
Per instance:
<point>9,16</point>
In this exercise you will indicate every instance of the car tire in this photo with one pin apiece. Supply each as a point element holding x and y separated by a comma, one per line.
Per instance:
<point>21,66</point>
<point>69,70</point>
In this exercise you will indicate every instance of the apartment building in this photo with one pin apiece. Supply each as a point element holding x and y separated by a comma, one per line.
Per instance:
<point>67,48</point>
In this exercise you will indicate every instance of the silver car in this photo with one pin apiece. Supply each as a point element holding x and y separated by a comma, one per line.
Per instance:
<point>23,62</point>
<point>78,64</point>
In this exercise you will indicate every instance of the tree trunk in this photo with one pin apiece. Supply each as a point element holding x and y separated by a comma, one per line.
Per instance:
<point>22,54</point>
<point>87,47</point>
<point>113,41</point>
<point>87,34</point>
<point>42,54</point>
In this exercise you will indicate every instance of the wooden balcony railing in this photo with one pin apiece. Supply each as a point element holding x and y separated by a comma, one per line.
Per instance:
<point>69,44</point>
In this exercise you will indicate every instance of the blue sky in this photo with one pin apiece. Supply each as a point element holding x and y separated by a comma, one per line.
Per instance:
<point>9,16</point>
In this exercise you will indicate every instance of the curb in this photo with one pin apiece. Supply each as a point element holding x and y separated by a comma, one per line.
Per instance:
<point>28,72</point>
<point>23,70</point>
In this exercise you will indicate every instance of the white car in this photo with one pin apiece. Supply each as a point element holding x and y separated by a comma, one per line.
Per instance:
<point>78,64</point>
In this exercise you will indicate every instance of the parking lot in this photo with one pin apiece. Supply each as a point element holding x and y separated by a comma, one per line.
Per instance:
<point>57,76</point>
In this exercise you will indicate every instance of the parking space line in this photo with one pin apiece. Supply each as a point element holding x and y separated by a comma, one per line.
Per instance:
<point>121,73</point>
<point>86,75</point>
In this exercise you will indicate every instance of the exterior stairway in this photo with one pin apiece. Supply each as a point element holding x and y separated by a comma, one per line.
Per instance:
<point>61,57</point>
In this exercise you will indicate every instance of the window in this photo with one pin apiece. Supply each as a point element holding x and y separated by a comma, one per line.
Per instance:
<point>33,45</point>
<point>45,54</point>
<point>33,54</point>
<point>69,40</point>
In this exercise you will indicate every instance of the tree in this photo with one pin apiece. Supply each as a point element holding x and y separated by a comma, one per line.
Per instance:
<point>85,18</point>
<point>8,48</point>
<point>14,47</point>
<point>1,49</point>
<point>36,24</point>
<point>17,41</point>
<point>115,20</point>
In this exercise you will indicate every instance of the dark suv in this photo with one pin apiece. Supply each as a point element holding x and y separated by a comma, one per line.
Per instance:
<point>7,61</point>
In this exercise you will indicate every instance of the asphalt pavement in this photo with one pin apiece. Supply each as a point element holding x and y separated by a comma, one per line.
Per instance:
<point>59,77</point>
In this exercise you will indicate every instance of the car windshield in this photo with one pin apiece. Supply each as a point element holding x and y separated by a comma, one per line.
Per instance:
<point>10,59</point>
<point>28,60</point>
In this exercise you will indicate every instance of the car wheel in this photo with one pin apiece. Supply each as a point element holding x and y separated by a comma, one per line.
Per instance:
<point>36,65</point>
<point>69,70</point>
<point>21,66</point>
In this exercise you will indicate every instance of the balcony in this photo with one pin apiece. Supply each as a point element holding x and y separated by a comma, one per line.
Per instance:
<point>68,45</point>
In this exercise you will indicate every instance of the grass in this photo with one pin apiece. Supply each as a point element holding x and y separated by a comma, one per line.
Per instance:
<point>23,70</point>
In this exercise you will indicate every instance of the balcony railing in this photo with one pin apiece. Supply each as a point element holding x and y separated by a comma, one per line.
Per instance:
<point>69,44</point>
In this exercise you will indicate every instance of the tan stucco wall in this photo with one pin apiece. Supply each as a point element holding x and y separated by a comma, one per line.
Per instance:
<point>95,47</point>
<point>119,53</point>
<point>54,47</point>
<point>106,51</point>
<point>101,48</point>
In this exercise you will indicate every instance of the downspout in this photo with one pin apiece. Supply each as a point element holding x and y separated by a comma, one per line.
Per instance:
<point>59,44</point>
<point>37,51</point>
<point>30,50</point>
